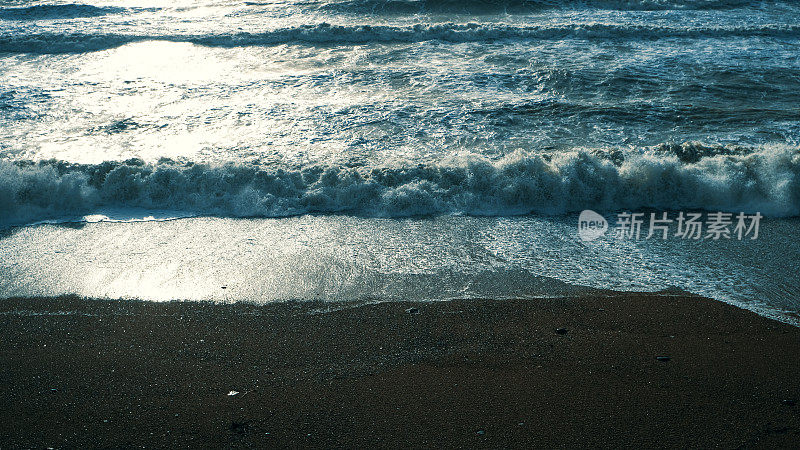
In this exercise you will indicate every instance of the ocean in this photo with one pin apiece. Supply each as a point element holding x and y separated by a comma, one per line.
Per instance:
<point>366,150</point>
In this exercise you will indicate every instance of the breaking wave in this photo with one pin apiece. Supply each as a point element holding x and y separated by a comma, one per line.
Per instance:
<point>327,34</point>
<point>670,176</point>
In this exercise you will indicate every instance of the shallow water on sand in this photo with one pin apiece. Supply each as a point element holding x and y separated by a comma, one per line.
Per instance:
<point>339,258</point>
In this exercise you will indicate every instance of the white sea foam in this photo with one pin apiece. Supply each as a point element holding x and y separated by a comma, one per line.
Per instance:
<point>765,179</point>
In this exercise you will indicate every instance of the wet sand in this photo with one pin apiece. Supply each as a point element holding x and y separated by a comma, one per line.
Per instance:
<point>625,370</point>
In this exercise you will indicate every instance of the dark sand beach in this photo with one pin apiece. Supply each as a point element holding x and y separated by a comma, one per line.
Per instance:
<point>627,370</point>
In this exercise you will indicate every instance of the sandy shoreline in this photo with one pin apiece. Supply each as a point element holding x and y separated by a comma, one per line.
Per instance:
<point>469,372</point>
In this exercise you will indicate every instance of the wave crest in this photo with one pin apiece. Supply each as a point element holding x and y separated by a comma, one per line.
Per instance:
<point>326,34</point>
<point>764,179</point>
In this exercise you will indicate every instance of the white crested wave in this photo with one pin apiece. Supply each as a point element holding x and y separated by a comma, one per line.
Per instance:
<point>764,179</point>
<point>325,33</point>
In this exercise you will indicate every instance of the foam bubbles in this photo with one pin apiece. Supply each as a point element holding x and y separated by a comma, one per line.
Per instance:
<point>763,179</point>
